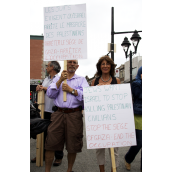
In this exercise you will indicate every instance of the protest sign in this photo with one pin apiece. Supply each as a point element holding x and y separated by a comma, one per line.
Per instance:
<point>65,33</point>
<point>109,118</point>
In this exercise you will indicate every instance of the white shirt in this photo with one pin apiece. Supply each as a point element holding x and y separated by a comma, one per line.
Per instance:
<point>49,103</point>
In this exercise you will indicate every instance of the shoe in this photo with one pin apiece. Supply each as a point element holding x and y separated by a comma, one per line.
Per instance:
<point>127,165</point>
<point>33,160</point>
<point>57,162</point>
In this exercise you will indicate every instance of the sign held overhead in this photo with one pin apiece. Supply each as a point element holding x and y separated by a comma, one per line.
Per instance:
<point>65,33</point>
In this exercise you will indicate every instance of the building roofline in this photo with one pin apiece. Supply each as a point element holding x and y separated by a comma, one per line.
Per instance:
<point>37,37</point>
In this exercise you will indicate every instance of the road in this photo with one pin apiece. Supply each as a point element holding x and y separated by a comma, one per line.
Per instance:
<point>86,160</point>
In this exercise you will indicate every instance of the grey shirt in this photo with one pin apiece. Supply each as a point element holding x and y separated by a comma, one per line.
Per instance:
<point>49,103</point>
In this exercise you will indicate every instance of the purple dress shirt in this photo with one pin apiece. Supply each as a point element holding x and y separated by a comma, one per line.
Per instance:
<point>77,83</point>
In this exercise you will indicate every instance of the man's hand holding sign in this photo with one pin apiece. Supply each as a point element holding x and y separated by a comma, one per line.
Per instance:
<point>72,66</point>
<point>62,78</point>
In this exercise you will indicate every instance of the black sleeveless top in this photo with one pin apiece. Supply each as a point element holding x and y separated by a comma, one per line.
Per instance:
<point>114,81</point>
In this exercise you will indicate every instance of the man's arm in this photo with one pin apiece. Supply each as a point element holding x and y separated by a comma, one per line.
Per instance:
<point>67,88</point>
<point>79,90</point>
<point>52,90</point>
<point>43,88</point>
<point>136,90</point>
<point>54,87</point>
<point>58,83</point>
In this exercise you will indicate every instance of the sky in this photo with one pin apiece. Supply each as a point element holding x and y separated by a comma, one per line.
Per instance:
<point>127,17</point>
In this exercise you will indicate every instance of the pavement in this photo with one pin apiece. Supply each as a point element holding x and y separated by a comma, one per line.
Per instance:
<point>86,161</point>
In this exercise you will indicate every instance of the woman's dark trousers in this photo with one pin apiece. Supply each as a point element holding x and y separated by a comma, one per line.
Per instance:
<point>133,151</point>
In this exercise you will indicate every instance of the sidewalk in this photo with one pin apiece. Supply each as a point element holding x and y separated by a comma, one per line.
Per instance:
<point>86,160</point>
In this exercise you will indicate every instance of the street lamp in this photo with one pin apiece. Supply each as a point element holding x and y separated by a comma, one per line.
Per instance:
<point>126,44</point>
<point>135,39</point>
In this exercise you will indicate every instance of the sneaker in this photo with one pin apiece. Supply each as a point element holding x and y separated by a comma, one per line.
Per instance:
<point>127,165</point>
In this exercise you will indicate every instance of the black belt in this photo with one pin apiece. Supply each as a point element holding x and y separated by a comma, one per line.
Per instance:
<point>69,110</point>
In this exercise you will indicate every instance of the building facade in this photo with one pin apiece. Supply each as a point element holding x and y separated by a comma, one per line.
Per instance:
<point>121,70</point>
<point>37,65</point>
<point>136,64</point>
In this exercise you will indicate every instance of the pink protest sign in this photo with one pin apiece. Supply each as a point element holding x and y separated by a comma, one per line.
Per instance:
<point>65,33</point>
<point>109,118</point>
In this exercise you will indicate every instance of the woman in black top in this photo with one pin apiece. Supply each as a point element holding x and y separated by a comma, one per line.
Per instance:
<point>105,76</point>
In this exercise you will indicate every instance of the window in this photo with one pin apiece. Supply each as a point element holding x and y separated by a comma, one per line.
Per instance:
<point>121,73</point>
<point>134,71</point>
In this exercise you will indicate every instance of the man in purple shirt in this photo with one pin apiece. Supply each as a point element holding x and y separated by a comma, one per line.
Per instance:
<point>67,124</point>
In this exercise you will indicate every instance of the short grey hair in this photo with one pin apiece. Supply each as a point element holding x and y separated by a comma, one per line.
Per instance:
<point>56,66</point>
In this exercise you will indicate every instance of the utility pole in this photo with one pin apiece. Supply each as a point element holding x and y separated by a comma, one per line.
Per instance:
<point>112,33</point>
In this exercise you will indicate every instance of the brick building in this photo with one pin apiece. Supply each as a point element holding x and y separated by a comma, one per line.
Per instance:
<point>37,65</point>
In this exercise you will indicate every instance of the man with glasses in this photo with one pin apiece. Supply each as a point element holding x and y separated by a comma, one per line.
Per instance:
<point>53,68</point>
<point>67,124</point>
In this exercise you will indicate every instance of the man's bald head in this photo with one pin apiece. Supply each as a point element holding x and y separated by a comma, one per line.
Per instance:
<point>73,60</point>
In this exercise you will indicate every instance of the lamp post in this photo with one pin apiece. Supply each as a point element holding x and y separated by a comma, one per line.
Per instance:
<point>126,44</point>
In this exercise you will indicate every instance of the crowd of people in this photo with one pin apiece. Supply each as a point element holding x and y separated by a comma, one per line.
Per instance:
<point>66,127</point>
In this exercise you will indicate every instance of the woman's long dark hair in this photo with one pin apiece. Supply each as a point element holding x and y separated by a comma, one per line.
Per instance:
<point>110,61</point>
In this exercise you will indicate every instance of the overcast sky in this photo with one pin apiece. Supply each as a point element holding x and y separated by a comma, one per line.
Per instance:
<point>127,17</point>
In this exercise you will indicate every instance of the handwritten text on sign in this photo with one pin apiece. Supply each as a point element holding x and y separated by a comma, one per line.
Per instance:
<point>65,32</point>
<point>109,118</point>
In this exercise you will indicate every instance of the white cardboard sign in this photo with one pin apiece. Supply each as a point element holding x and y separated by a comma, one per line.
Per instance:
<point>109,118</point>
<point>65,33</point>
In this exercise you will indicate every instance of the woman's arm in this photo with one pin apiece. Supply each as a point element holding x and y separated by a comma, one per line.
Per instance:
<point>118,81</point>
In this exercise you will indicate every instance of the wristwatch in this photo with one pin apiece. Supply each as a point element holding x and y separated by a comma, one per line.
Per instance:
<point>73,91</point>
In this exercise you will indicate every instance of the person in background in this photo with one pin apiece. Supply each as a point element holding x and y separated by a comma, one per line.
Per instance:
<point>105,72</point>
<point>136,89</point>
<point>53,68</point>
<point>66,127</point>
